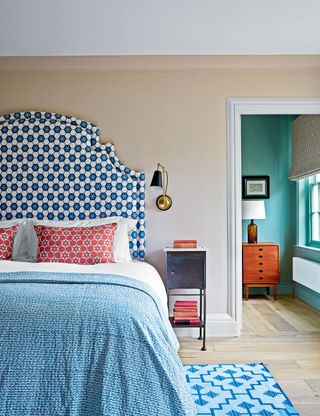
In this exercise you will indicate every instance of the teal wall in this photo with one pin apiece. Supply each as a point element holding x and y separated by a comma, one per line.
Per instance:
<point>266,146</point>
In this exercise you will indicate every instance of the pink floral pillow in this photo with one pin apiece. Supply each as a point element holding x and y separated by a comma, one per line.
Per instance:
<point>78,245</point>
<point>6,241</point>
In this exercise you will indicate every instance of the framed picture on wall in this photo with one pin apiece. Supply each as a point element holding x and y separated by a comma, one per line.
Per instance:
<point>255,187</point>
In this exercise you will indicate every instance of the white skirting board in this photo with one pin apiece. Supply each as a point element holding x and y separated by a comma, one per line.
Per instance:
<point>218,325</point>
<point>307,273</point>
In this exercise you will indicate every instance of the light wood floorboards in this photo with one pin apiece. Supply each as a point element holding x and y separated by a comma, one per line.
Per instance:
<point>285,335</point>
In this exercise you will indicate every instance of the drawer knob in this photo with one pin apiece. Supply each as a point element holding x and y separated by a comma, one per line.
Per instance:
<point>260,264</point>
<point>260,249</point>
<point>260,278</point>
<point>260,257</point>
<point>260,271</point>
<point>172,273</point>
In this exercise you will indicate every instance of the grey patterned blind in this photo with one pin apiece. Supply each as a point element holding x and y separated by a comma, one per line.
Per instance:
<point>305,157</point>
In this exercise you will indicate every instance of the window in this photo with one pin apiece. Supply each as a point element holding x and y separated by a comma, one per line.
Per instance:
<point>314,211</point>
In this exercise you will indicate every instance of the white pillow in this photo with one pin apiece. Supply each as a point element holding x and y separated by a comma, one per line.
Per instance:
<point>20,243</point>
<point>121,251</point>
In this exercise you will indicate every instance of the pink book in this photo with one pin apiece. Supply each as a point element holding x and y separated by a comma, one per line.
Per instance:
<point>185,244</point>
<point>194,316</point>
<point>186,321</point>
<point>184,313</point>
<point>186,302</point>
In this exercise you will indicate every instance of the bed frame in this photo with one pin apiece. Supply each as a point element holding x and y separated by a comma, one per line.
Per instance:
<point>54,167</point>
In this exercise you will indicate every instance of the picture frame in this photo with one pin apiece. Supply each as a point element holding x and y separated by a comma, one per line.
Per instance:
<point>255,187</point>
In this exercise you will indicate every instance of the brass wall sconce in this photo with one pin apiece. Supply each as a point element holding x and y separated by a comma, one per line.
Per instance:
<point>160,180</point>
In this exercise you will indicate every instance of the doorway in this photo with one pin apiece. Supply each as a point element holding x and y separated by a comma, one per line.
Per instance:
<point>236,108</point>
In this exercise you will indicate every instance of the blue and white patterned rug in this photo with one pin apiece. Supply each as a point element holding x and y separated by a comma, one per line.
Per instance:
<point>237,390</point>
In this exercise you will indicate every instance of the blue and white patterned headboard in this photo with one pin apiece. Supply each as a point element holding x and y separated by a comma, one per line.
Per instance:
<point>53,167</point>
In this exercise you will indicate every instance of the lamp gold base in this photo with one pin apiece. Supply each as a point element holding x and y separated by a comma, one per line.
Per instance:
<point>164,202</point>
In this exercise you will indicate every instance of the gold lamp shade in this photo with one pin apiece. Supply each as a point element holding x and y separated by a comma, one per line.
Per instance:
<point>160,181</point>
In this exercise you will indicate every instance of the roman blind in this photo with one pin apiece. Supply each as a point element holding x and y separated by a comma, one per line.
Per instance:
<point>305,155</point>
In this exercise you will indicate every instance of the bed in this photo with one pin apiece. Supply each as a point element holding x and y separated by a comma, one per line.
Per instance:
<point>80,340</point>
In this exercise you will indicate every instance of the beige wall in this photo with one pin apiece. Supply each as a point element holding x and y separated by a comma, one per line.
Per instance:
<point>175,115</point>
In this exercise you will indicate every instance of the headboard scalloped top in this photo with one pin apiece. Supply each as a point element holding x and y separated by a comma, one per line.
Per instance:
<point>53,167</point>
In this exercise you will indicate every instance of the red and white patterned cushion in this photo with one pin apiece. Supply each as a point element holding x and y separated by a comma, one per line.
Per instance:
<point>78,245</point>
<point>6,241</point>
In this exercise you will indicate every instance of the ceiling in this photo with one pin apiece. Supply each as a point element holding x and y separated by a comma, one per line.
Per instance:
<point>165,27</point>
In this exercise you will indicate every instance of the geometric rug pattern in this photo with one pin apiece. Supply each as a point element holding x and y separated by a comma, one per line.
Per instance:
<point>237,390</point>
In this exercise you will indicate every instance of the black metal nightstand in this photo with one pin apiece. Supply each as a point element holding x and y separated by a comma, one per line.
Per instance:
<point>186,269</point>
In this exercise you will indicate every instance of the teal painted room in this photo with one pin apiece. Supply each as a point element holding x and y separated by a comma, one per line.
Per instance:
<point>266,151</point>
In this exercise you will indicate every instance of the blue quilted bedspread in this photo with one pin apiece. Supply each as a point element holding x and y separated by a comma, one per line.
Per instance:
<point>86,345</point>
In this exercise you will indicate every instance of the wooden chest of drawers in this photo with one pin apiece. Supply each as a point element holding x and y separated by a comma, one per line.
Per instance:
<point>260,266</point>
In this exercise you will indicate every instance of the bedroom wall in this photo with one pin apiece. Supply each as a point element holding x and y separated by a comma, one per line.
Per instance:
<point>169,111</point>
<point>266,150</point>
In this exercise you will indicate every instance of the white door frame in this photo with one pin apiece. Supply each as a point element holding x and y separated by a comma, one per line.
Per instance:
<point>236,107</point>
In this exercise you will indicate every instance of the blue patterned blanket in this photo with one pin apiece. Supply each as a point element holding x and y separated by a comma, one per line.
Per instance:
<point>87,345</point>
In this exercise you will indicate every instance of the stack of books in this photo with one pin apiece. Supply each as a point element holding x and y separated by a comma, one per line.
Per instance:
<point>186,312</point>
<point>185,244</point>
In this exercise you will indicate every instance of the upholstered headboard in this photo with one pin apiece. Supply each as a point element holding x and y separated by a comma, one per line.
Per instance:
<point>53,167</point>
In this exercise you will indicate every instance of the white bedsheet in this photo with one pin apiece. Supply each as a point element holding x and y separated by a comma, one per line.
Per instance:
<point>135,269</point>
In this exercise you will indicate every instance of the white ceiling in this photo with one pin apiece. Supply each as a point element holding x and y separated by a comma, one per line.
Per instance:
<point>158,27</point>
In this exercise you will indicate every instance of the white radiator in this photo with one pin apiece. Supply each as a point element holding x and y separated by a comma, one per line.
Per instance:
<point>307,273</point>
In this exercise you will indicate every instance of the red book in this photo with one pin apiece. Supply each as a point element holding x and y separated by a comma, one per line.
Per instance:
<point>186,318</point>
<point>178,309</point>
<point>186,303</point>
<point>185,244</point>
<point>186,321</point>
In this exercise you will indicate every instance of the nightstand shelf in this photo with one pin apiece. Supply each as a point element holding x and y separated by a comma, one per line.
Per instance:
<point>186,269</point>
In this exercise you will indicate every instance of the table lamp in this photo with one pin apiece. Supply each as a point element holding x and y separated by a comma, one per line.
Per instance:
<point>253,210</point>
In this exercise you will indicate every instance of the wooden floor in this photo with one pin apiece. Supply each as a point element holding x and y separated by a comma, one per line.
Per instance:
<point>285,335</point>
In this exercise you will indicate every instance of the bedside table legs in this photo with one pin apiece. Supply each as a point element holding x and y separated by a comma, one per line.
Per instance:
<point>201,314</point>
<point>204,317</point>
<point>204,339</point>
